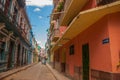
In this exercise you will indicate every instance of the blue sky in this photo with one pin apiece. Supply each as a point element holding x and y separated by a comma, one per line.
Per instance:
<point>38,16</point>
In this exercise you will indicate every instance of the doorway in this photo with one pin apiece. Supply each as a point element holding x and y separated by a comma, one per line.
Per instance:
<point>85,61</point>
<point>18,56</point>
<point>10,54</point>
<point>63,64</point>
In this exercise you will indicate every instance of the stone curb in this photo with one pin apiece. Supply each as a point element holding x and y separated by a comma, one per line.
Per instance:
<point>57,75</point>
<point>50,68</point>
<point>13,71</point>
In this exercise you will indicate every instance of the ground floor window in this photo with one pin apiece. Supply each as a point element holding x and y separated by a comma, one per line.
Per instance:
<point>71,48</point>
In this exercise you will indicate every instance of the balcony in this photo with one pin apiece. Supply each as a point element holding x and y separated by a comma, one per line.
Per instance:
<point>104,2</point>
<point>85,19</point>
<point>55,35</point>
<point>58,7</point>
<point>71,9</point>
<point>21,3</point>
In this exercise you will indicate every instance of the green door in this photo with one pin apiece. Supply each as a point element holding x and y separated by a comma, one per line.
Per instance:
<point>85,61</point>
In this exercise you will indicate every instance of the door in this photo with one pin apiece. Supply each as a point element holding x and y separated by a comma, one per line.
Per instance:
<point>63,64</point>
<point>18,56</point>
<point>85,61</point>
<point>10,56</point>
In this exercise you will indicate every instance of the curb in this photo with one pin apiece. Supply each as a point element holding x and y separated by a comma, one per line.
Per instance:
<point>47,65</point>
<point>13,71</point>
<point>56,74</point>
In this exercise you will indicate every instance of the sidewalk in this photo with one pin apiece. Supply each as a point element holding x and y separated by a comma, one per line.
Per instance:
<point>57,74</point>
<point>13,71</point>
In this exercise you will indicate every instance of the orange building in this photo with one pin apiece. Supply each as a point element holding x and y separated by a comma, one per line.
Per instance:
<point>89,46</point>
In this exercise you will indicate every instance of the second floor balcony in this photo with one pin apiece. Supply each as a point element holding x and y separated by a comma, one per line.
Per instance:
<point>71,9</point>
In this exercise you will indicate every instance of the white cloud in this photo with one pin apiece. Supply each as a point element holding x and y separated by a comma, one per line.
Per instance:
<point>40,17</point>
<point>39,3</point>
<point>40,44</point>
<point>36,9</point>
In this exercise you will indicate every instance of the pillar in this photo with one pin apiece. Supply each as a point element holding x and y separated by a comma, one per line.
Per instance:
<point>21,50</point>
<point>16,52</point>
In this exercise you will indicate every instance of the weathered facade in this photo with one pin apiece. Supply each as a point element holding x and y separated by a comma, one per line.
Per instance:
<point>14,35</point>
<point>87,47</point>
<point>35,50</point>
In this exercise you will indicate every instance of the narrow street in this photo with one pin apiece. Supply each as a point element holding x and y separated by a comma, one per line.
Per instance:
<point>76,39</point>
<point>36,72</point>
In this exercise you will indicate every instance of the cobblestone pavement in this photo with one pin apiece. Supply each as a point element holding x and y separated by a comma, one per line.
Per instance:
<point>37,72</point>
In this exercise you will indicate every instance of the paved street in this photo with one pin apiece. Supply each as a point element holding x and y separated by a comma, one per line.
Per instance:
<point>37,72</point>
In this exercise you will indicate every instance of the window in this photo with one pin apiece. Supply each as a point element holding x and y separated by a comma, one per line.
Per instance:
<point>71,48</point>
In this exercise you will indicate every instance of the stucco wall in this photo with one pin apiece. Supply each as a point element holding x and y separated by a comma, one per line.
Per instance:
<point>114,31</point>
<point>100,57</point>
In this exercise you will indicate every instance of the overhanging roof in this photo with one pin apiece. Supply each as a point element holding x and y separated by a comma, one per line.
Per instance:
<point>72,8</point>
<point>84,20</point>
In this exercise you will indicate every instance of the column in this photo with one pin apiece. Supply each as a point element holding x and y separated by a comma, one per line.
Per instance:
<point>21,50</point>
<point>26,56</point>
<point>16,52</point>
<point>7,42</point>
<point>22,56</point>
